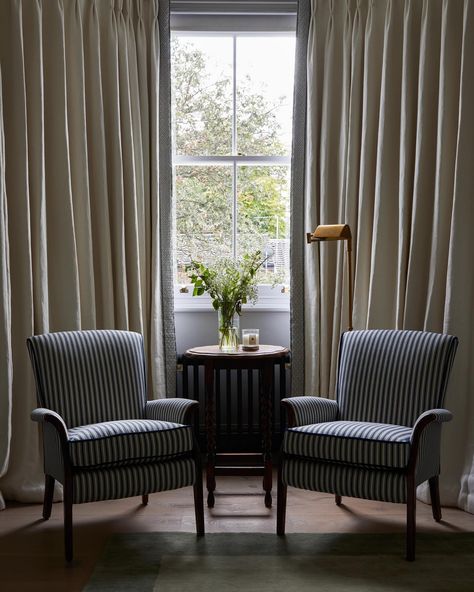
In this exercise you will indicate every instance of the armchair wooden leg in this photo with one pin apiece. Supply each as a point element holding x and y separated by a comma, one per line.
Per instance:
<point>199,507</point>
<point>145,499</point>
<point>435,501</point>
<point>67,494</point>
<point>338,499</point>
<point>281,502</point>
<point>48,496</point>
<point>198,496</point>
<point>411,517</point>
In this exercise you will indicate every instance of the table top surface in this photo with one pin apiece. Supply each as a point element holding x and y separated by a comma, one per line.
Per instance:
<point>213,351</point>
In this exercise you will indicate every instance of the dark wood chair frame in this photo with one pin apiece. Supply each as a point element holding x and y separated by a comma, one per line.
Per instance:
<point>409,474</point>
<point>189,419</point>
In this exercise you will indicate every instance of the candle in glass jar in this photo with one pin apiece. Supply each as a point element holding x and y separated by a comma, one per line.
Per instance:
<point>250,338</point>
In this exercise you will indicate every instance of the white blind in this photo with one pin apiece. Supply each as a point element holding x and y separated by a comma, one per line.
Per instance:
<point>244,15</point>
<point>242,7</point>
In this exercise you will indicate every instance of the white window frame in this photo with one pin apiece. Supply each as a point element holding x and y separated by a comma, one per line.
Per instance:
<point>269,298</point>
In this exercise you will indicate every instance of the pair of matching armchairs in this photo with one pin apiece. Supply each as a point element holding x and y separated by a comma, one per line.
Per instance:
<point>102,439</point>
<point>381,437</point>
<point>378,440</point>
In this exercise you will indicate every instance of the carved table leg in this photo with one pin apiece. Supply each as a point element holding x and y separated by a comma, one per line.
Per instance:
<point>210,432</point>
<point>266,384</point>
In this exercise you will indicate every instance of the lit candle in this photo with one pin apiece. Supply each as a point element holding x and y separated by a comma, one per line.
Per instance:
<point>250,339</point>
<point>253,339</point>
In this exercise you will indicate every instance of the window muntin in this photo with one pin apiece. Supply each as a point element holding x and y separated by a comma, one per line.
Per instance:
<point>232,143</point>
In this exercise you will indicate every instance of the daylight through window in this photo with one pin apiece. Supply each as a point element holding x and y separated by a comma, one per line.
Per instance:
<point>232,113</point>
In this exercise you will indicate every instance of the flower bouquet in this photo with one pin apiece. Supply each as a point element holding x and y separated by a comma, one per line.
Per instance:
<point>230,283</point>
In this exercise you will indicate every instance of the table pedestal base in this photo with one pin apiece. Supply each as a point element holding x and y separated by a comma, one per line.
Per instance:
<point>260,464</point>
<point>239,465</point>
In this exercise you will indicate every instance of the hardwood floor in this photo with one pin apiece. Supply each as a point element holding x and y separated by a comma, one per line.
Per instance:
<point>31,550</point>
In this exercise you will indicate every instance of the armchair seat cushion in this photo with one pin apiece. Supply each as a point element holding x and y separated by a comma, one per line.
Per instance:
<point>351,442</point>
<point>125,442</point>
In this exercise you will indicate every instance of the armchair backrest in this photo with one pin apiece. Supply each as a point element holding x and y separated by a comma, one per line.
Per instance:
<point>90,376</point>
<point>392,376</point>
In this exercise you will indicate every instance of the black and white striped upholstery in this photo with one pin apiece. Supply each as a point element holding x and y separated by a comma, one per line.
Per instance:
<point>95,382</point>
<point>133,480</point>
<point>173,410</point>
<point>381,437</point>
<point>346,480</point>
<point>308,410</point>
<point>387,379</point>
<point>90,376</point>
<point>102,439</point>
<point>388,376</point>
<point>352,442</point>
<point>127,442</point>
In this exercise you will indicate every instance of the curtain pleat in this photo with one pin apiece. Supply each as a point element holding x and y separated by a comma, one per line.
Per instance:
<point>6,374</point>
<point>97,148</point>
<point>458,314</point>
<point>81,189</point>
<point>389,135</point>
<point>22,463</point>
<point>75,68</point>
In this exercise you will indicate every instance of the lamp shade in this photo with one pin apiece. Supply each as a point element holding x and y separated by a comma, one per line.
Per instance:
<point>335,232</point>
<point>329,232</point>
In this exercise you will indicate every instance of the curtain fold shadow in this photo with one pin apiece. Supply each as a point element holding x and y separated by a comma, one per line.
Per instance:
<point>85,189</point>
<point>382,141</point>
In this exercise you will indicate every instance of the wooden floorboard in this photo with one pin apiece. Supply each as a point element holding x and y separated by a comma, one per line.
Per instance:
<point>31,550</point>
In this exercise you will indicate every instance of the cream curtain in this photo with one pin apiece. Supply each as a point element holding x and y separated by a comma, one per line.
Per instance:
<point>387,93</point>
<point>5,318</point>
<point>85,200</point>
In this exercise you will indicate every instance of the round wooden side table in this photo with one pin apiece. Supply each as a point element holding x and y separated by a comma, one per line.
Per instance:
<point>263,360</point>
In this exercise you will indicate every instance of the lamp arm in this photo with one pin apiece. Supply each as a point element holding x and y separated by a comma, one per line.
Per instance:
<point>336,232</point>
<point>349,279</point>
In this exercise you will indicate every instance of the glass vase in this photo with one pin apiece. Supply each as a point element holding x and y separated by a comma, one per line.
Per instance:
<point>228,333</point>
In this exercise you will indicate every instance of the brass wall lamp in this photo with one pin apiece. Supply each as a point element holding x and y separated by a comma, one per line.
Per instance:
<point>336,232</point>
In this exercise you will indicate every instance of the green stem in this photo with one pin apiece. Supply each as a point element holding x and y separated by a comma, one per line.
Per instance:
<point>228,338</point>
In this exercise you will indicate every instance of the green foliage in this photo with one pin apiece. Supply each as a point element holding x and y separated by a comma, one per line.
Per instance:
<point>261,202</point>
<point>203,110</point>
<point>229,282</point>
<point>203,126</point>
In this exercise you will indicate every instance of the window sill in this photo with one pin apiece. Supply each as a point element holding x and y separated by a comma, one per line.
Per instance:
<point>269,300</point>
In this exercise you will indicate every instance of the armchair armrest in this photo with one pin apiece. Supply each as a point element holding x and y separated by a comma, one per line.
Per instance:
<point>56,451</point>
<point>307,410</point>
<point>175,410</point>
<point>425,419</point>
<point>425,439</point>
<point>439,415</point>
<point>43,415</point>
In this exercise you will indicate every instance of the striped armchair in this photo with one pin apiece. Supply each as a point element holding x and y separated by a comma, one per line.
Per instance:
<point>380,438</point>
<point>102,439</point>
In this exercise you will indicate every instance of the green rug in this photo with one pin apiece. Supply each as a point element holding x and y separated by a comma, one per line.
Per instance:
<point>180,562</point>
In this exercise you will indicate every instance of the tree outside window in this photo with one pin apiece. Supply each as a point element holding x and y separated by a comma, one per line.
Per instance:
<point>232,109</point>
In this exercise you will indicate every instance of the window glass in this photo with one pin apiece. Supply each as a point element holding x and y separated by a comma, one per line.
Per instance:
<point>232,122</point>
<point>203,214</point>
<point>201,70</point>
<point>263,198</point>
<point>264,68</point>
